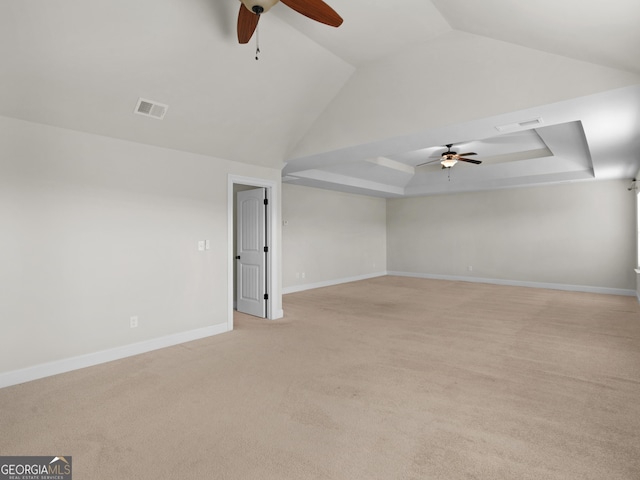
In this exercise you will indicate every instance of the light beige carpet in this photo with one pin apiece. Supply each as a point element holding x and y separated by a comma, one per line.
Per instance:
<point>389,378</point>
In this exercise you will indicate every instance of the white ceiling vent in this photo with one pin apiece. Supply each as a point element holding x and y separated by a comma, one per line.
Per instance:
<point>149,108</point>
<point>514,127</point>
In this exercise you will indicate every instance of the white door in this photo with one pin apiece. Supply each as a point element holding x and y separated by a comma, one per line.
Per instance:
<point>252,252</point>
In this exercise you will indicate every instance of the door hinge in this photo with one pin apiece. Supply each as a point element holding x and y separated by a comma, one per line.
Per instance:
<point>266,296</point>
<point>266,201</point>
<point>266,249</point>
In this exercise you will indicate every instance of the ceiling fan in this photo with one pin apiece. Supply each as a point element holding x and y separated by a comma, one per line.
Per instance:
<point>250,12</point>
<point>449,158</point>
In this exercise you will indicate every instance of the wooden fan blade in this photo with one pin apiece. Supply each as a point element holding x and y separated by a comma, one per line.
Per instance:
<point>477,162</point>
<point>428,163</point>
<point>316,10</point>
<point>247,23</point>
<point>466,154</point>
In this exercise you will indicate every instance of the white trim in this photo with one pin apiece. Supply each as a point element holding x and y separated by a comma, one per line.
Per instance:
<point>273,259</point>
<point>75,363</point>
<point>520,283</point>
<point>329,283</point>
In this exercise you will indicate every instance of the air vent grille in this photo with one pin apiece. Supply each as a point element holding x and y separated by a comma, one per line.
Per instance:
<point>149,108</point>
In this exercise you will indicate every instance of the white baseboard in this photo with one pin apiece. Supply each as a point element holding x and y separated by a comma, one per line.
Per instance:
<point>519,283</point>
<point>329,283</point>
<point>75,363</point>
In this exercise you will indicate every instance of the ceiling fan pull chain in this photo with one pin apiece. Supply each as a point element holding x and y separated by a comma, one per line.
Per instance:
<point>257,41</point>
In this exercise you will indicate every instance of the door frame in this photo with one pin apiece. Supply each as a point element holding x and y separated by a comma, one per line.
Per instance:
<point>274,309</point>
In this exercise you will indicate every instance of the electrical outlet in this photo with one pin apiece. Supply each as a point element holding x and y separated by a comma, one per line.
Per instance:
<point>304,275</point>
<point>133,322</point>
<point>201,245</point>
<point>470,268</point>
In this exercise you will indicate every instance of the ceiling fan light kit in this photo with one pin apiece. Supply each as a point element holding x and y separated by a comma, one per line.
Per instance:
<point>259,6</point>
<point>448,162</point>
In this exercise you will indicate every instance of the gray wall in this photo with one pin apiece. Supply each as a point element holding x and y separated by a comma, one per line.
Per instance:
<point>575,234</point>
<point>330,236</point>
<point>94,230</point>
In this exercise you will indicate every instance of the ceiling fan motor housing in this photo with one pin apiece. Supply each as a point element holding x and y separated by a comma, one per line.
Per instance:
<point>259,6</point>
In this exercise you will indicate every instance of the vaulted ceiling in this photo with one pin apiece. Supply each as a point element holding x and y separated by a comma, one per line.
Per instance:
<point>543,91</point>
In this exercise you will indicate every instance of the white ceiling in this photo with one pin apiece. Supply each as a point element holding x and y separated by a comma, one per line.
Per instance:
<point>354,108</point>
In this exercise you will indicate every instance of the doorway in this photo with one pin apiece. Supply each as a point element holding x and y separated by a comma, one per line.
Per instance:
<point>273,307</point>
